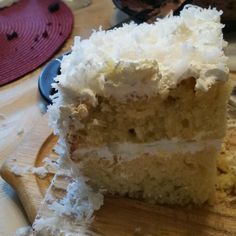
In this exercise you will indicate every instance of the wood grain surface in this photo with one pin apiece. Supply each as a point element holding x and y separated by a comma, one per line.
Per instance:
<point>118,216</point>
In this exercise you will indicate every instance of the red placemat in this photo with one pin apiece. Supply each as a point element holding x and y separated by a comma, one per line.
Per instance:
<point>31,31</point>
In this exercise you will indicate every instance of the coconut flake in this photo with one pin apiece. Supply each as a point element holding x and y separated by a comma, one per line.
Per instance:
<point>24,231</point>
<point>20,170</point>
<point>41,171</point>
<point>80,201</point>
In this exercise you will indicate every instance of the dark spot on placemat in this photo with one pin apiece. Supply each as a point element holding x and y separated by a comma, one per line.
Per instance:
<point>36,39</point>
<point>60,33</point>
<point>11,36</point>
<point>45,34</point>
<point>49,23</point>
<point>54,7</point>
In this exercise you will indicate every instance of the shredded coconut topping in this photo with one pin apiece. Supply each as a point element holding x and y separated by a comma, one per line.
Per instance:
<point>80,201</point>
<point>142,60</point>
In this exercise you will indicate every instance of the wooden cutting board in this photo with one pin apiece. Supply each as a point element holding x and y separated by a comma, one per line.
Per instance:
<point>119,216</point>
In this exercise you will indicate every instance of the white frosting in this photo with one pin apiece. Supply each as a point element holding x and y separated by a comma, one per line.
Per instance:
<point>130,151</point>
<point>7,3</point>
<point>80,201</point>
<point>142,60</point>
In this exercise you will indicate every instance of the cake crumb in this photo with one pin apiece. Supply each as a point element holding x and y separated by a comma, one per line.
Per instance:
<point>42,108</point>
<point>51,165</point>
<point>41,172</point>
<point>226,174</point>
<point>82,111</point>
<point>24,231</point>
<point>80,201</point>
<point>44,223</point>
<point>20,132</point>
<point>20,170</point>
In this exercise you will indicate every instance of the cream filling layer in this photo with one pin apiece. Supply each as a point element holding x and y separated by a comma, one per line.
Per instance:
<point>129,151</point>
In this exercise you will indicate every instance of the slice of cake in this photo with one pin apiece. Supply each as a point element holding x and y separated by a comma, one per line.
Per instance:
<point>142,108</point>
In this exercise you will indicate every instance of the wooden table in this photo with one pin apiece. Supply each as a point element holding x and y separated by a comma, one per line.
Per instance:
<point>21,107</point>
